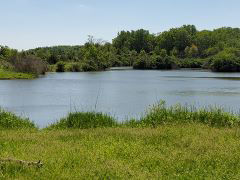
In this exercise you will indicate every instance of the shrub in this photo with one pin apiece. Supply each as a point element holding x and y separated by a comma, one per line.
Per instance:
<point>52,68</point>
<point>143,61</point>
<point>226,61</point>
<point>29,64</point>
<point>73,67</point>
<point>60,66</point>
<point>211,51</point>
<point>6,65</point>
<point>165,62</point>
<point>191,63</point>
<point>155,61</point>
<point>225,65</point>
<point>85,120</point>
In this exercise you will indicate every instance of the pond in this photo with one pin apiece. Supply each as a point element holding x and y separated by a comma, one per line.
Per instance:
<point>123,94</point>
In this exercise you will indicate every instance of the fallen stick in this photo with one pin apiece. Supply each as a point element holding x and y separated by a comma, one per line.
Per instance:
<point>28,163</point>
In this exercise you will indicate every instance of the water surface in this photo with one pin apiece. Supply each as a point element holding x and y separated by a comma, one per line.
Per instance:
<point>121,93</point>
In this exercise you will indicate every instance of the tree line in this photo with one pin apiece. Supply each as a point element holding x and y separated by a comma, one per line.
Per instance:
<point>182,47</point>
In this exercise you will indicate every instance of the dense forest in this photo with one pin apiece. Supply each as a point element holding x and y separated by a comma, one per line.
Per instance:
<point>183,47</point>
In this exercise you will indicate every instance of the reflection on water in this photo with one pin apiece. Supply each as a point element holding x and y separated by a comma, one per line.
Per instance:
<point>122,93</point>
<point>224,78</point>
<point>205,93</point>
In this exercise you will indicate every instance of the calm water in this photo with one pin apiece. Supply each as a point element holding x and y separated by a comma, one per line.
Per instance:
<point>121,93</point>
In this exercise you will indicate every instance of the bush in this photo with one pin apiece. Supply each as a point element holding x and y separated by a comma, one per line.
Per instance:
<point>143,61</point>
<point>85,120</point>
<point>165,62</point>
<point>29,64</point>
<point>60,66</point>
<point>225,62</point>
<point>73,67</point>
<point>155,61</point>
<point>52,68</point>
<point>6,65</point>
<point>191,63</point>
<point>10,121</point>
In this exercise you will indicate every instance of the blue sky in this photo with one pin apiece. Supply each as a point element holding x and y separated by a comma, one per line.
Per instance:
<point>34,23</point>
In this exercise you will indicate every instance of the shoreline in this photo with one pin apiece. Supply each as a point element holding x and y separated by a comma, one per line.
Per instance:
<point>10,75</point>
<point>26,76</point>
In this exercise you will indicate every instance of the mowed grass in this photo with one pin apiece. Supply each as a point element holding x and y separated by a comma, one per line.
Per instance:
<point>5,75</point>
<point>189,151</point>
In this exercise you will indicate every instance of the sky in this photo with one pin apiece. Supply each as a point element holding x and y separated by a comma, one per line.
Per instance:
<point>26,24</point>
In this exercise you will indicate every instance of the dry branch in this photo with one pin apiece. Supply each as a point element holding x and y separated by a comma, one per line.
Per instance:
<point>28,163</point>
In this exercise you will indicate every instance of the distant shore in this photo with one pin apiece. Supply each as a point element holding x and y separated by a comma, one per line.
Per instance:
<point>8,75</point>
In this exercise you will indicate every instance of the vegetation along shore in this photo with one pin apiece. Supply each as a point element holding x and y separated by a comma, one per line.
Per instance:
<point>183,47</point>
<point>167,142</point>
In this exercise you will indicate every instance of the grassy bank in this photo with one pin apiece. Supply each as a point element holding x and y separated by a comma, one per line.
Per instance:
<point>5,75</point>
<point>182,151</point>
<point>11,121</point>
<point>157,115</point>
<point>175,142</point>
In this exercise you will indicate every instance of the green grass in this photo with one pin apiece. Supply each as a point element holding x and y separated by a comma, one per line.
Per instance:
<point>185,151</point>
<point>5,75</point>
<point>160,114</point>
<point>157,115</point>
<point>85,120</point>
<point>11,121</point>
<point>177,142</point>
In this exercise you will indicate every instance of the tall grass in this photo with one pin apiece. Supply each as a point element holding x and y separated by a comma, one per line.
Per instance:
<point>11,121</point>
<point>85,120</point>
<point>214,116</point>
<point>157,115</point>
